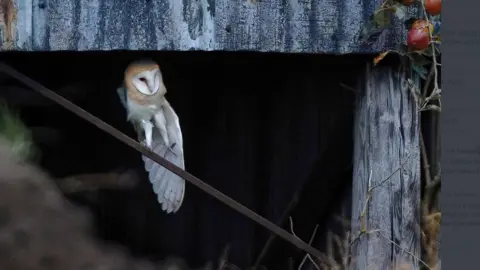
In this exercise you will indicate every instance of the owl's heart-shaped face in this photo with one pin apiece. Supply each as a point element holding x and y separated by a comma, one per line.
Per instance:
<point>144,82</point>
<point>143,76</point>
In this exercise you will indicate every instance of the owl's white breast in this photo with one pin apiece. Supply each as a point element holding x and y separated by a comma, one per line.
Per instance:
<point>138,112</point>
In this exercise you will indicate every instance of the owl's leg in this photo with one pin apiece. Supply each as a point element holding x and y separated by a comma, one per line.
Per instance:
<point>148,128</point>
<point>161,124</point>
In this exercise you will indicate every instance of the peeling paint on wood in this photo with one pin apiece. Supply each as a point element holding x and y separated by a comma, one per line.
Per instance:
<point>308,26</point>
<point>386,136</point>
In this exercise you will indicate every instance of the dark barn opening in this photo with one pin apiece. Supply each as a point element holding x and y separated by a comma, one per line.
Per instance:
<point>262,128</point>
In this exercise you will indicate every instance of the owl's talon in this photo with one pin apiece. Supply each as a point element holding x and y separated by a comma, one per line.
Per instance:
<point>144,143</point>
<point>171,148</point>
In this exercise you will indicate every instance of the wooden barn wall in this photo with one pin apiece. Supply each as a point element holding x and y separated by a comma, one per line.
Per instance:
<point>255,132</point>
<point>386,145</point>
<point>313,26</point>
<point>294,26</point>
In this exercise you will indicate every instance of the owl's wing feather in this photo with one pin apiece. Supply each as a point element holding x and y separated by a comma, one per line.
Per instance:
<point>122,93</point>
<point>169,187</point>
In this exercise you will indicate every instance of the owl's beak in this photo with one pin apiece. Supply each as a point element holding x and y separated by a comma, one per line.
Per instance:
<point>151,86</point>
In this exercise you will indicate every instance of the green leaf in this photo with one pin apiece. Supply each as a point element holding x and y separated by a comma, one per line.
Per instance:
<point>420,71</point>
<point>401,48</point>
<point>382,17</point>
<point>379,57</point>
<point>427,51</point>
<point>432,107</point>
<point>367,28</point>
<point>437,94</point>
<point>372,36</point>
<point>16,133</point>
<point>419,60</point>
<point>435,97</point>
<point>400,11</point>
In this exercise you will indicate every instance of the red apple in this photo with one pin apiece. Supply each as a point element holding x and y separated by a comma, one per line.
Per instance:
<point>433,7</point>
<point>418,39</point>
<point>407,3</point>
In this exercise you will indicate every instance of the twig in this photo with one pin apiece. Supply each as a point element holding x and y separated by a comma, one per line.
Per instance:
<point>363,229</point>
<point>430,183</point>
<point>432,44</point>
<point>393,173</point>
<point>436,90</point>
<point>391,241</point>
<point>223,261</point>
<point>346,250</point>
<point>348,87</point>
<point>364,210</point>
<point>404,250</point>
<point>360,234</point>
<point>293,202</point>
<point>427,81</point>
<point>342,247</point>
<point>435,182</point>
<point>309,242</point>
<point>307,256</point>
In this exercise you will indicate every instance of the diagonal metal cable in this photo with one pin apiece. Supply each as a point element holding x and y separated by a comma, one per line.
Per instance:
<point>158,159</point>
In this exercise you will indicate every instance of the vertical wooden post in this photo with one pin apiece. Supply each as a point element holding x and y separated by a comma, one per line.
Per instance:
<point>386,139</point>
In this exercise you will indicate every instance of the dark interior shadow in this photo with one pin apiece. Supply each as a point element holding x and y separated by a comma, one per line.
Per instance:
<point>258,127</point>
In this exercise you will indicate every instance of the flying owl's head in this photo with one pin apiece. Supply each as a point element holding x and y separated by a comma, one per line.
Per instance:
<point>145,77</point>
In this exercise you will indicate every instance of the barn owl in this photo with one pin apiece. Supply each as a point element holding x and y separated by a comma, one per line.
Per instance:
<point>157,126</point>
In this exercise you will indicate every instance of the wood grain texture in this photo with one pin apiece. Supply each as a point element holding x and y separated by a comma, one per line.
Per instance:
<point>302,26</point>
<point>386,135</point>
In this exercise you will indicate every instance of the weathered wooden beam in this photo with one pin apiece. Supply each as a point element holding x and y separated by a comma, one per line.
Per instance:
<point>298,26</point>
<point>386,174</point>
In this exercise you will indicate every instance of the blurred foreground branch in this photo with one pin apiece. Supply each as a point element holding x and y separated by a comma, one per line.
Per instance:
<point>96,181</point>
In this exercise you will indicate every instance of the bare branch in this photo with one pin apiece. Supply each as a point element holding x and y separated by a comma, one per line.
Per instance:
<point>307,256</point>
<point>436,89</point>
<point>392,174</point>
<point>402,249</point>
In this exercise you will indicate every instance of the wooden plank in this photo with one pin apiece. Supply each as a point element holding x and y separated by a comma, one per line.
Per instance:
<point>297,26</point>
<point>386,135</point>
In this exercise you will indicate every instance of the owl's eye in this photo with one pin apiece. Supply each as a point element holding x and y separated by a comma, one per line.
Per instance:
<point>143,80</point>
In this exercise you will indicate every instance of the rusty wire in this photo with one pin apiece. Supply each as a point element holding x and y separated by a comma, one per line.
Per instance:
<point>160,160</point>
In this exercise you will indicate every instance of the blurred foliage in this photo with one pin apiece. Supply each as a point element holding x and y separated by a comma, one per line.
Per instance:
<point>19,137</point>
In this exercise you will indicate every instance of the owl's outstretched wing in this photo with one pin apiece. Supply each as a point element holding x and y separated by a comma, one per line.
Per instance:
<point>169,187</point>
<point>122,94</point>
